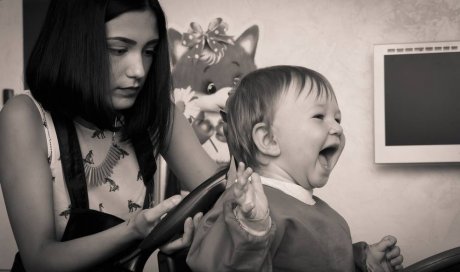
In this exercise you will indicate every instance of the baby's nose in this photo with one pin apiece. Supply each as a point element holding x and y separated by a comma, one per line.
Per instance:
<point>336,128</point>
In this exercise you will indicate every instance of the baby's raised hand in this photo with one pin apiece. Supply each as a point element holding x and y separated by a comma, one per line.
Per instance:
<point>384,256</point>
<point>249,194</point>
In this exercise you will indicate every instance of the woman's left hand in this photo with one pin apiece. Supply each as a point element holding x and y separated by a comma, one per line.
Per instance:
<point>186,240</point>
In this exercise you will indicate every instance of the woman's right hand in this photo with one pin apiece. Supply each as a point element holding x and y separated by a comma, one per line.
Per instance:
<point>145,220</point>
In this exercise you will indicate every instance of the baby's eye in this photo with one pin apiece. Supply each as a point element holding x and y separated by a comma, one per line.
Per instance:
<point>318,116</point>
<point>211,89</point>
<point>338,120</point>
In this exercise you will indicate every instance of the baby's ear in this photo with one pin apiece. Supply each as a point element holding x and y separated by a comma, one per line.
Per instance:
<point>264,140</point>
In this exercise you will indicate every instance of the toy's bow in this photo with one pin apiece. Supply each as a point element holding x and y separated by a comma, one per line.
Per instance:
<point>215,39</point>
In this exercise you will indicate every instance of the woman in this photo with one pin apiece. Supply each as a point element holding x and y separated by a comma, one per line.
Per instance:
<point>99,78</point>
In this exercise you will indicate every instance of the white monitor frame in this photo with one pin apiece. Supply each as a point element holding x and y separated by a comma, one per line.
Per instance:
<point>406,154</point>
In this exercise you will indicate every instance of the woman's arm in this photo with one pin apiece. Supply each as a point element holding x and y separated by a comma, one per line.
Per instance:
<point>26,182</point>
<point>185,156</point>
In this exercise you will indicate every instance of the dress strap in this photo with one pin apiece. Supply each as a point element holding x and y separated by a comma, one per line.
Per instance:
<point>72,161</point>
<point>143,148</point>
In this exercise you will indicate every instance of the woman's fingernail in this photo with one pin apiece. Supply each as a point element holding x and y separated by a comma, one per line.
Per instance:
<point>176,199</point>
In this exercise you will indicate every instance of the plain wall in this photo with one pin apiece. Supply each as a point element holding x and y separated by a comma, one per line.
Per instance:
<point>419,204</point>
<point>11,62</point>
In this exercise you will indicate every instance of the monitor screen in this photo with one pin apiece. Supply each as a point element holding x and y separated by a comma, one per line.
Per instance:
<point>422,99</point>
<point>417,102</point>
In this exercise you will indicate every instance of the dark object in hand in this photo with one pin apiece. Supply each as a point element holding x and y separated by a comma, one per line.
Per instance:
<point>199,200</point>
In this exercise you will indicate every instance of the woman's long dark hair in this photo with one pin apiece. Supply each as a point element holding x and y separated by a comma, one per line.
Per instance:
<point>68,70</point>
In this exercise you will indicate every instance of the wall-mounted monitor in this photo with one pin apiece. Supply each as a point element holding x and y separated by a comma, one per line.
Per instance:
<point>417,102</point>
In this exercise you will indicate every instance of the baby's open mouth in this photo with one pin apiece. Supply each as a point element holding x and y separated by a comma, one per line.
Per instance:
<point>326,155</point>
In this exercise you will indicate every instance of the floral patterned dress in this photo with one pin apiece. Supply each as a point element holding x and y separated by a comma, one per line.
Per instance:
<point>120,192</point>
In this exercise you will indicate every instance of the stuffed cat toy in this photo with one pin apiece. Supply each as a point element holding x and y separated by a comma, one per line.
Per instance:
<point>206,65</point>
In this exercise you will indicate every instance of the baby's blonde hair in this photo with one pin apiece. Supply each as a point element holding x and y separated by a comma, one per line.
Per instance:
<point>255,100</point>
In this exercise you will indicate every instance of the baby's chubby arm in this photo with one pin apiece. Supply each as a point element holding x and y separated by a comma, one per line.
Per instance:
<point>384,256</point>
<point>236,234</point>
<point>252,205</point>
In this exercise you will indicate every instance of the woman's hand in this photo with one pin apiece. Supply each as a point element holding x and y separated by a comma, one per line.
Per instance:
<point>190,226</point>
<point>145,220</point>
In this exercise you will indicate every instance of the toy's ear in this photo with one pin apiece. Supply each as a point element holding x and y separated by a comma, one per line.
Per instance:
<point>264,140</point>
<point>176,48</point>
<point>249,39</point>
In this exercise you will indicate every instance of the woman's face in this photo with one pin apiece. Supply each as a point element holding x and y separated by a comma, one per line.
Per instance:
<point>131,40</point>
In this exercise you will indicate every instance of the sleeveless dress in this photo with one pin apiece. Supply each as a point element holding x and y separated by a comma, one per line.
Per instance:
<point>121,195</point>
<point>87,199</point>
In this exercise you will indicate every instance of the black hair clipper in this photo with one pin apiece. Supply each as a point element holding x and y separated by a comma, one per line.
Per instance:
<point>199,200</point>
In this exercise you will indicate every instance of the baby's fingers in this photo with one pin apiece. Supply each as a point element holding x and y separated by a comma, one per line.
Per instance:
<point>397,262</point>
<point>247,208</point>
<point>240,169</point>
<point>242,180</point>
<point>385,244</point>
<point>256,182</point>
<point>244,198</point>
<point>393,252</point>
<point>243,173</point>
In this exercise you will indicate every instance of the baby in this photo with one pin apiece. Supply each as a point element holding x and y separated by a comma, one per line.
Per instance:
<point>283,122</point>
